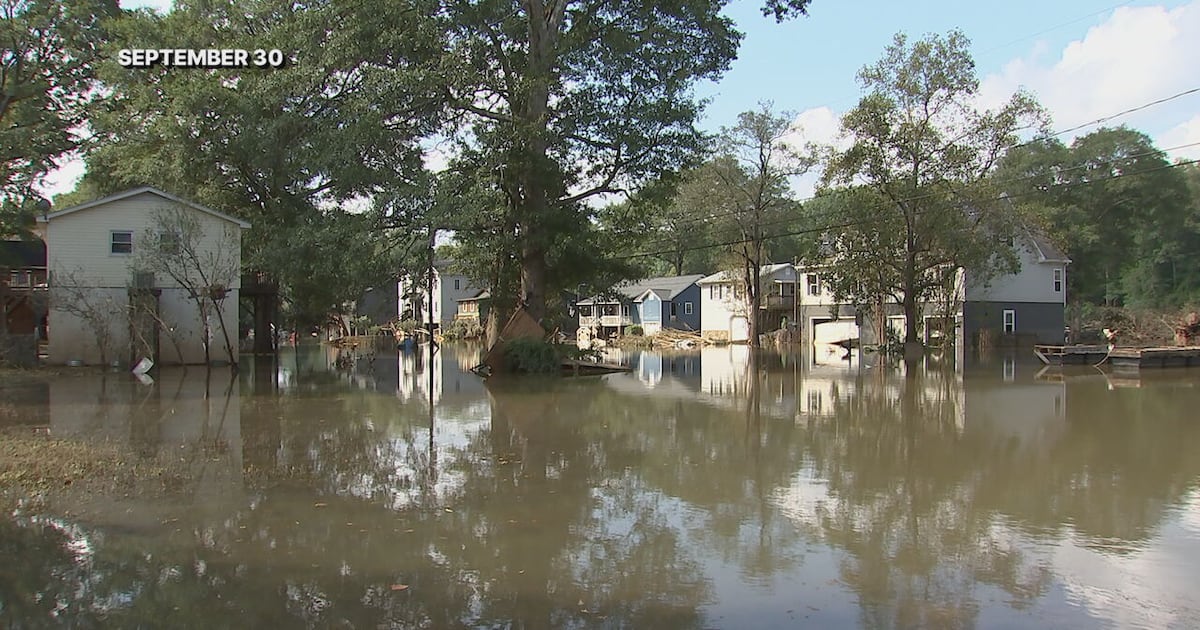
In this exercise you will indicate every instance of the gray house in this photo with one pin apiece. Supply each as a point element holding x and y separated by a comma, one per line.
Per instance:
<point>1027,306</point>
<point>653,304</point>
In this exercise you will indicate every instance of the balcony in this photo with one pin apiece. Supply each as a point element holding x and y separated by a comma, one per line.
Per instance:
<point>775,301</point>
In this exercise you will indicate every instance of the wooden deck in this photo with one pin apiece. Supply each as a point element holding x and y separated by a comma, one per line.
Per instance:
<point>1070,355</point>
<point>1120,358</point>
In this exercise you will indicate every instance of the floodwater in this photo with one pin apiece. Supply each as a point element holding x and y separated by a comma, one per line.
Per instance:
<point>325,492</point>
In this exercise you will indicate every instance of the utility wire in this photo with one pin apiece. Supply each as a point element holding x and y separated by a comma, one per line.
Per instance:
<point>791,219</point>
<point>844,224</point>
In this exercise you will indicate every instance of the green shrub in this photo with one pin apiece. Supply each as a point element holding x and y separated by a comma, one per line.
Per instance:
<point>532,356</point>
<point>463,329</point>
<point>634,330</point>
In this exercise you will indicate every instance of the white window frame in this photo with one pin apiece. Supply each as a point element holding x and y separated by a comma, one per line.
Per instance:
<point>813,283</point>
<point>112,242</point>
<point>1009,321</point>
<point>687,308</point>
<point>1058,280</point>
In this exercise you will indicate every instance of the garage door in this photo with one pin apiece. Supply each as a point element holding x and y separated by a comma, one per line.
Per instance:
<point>827,332</point>
<point>739,328</point>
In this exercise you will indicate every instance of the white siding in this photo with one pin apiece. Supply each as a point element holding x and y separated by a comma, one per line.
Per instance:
<point>79,244</point>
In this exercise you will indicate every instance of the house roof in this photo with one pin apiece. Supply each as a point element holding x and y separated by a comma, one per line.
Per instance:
<point>46,218</point>
<point>22,254</point>
<point>1046,250</point>
<point>729,276</point>
<point>665,287</point>
<point>482,295</point>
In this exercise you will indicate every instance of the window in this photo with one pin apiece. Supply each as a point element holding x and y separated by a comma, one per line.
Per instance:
<point>1058,280</point>
<point>673,305</point>
<point>787,289</point>
<point>687,308</point>
<point>168,242</point>
<point>624,310</point>
<point>585,310</point>
<point>814,283</point>
<point>456,284</point>
<point>121,243</point>
<point>1010,321</point>
<point>19,279</point>
<point>712,291</point>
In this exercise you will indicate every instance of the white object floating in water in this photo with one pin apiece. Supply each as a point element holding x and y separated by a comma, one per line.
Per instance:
<point>143,366</point>
<point>144,379</point>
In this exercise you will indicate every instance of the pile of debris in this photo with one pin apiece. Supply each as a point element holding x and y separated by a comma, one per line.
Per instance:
<point>681,339</point>
<point>1187,330</point>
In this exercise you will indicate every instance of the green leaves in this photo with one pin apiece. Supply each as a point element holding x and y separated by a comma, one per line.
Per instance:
<point>47,76</point>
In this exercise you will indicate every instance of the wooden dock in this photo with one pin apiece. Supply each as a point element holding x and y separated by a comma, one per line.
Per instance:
<point>1138,358</point>
<point>1070,355</point>
<point>1120,358</point>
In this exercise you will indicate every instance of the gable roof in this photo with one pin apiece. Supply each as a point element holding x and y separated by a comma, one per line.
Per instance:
<point>46,218</point>
<point>728,276</point>
<point>665,287</point>
<point>1046,251</point>
<point>22,254</point>
<point>483,294</point>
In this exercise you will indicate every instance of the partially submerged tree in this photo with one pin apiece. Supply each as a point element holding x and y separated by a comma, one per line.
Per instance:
<point>203,265</point>
<point>926,153</point>
<point>571,99</point>
<point>747,186</point>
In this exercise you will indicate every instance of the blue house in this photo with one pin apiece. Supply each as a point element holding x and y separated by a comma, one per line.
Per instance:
<point>653,304</point>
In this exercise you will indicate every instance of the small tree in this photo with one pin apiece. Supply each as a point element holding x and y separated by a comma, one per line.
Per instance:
<point>746,188</point>
<point>203,265</point>
<point>72,294</point>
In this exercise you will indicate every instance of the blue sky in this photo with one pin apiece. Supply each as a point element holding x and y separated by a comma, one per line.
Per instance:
<point>1083,59</point>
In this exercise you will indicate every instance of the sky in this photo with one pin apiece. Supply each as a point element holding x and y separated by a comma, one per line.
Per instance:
<point>1084,60</point>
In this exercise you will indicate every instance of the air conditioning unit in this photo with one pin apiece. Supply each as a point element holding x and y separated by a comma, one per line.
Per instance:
<point>143,279</point>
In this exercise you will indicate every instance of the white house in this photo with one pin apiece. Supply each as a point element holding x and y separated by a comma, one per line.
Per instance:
<point>448,289</point>
<point>723,314</point>
<point>92,252</point>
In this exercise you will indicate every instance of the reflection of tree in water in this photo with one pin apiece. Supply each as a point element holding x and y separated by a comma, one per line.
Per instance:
<point>520,537</point>
<point>902,504</point>
<point>580,505</point>
<point>928,511</point>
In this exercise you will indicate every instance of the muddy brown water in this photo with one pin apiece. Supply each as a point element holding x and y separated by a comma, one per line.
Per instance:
<point>704,489</point>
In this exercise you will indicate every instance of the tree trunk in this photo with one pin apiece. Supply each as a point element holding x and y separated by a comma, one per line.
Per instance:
<point>754,299</point>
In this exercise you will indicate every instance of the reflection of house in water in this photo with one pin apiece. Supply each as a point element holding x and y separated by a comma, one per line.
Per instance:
<point>184,418</point>
<point>407,374</point>
<point>1003,399</point>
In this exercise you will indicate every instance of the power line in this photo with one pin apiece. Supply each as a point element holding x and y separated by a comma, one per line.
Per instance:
<point>844,224</point>
<point>1014,180</point>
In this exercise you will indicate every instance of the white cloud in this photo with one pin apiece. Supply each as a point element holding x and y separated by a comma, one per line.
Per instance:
<point>819,126</point>
<point>1181,135</point>
<point>1137,55</point>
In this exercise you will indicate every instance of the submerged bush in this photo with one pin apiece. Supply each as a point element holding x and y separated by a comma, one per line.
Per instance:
<point>634,330</point>
<point>463,329</point>
<point>532,356</point>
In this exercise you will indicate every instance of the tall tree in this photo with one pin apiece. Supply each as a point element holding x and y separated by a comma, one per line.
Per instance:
<point>571,99</point>
<point>747,189</point>
<point>921,145</point>
<point>47,80</point>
